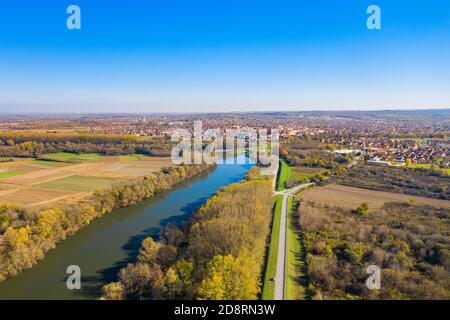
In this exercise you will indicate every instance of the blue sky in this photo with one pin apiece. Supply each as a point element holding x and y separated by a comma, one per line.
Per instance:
<point>216,55</point>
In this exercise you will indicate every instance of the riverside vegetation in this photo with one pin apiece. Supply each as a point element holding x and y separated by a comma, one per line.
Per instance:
<point>219,254</point>
<point>27,234</point>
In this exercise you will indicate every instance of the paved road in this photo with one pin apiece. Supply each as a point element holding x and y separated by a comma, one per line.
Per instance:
<point>280,281</point>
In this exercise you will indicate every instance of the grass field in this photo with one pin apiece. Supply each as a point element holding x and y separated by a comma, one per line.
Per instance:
<point>351,198</point>
<point>79,183</point>
<point>49,163</point>
<point>303,174</point>
<point>9,174</point>
<point>284,172</point>
<point>271,263</point>
<point>294,290</point>
<point>421,166</point>
<point>132,157</point>
<point>66,156</point>
<point>410,139</point>
<point>427,166</point>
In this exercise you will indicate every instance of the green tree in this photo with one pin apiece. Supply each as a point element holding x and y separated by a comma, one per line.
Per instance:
<point>408,163</point>
<point>363,209</point>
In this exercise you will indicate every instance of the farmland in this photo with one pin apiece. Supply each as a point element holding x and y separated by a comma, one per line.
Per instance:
<point>34,182</point>
<point>351,198</point>
<point>8,174</point>
<point>67,156</point>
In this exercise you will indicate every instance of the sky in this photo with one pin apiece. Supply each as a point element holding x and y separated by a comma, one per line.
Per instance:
<point>216,55</point>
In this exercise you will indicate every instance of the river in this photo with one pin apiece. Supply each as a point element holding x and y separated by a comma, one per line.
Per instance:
<point>110,242</point>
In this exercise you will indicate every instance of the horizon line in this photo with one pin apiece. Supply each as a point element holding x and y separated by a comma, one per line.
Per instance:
<point>217,112</point>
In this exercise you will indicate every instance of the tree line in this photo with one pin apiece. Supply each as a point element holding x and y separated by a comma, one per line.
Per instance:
<point>218,254</point>
<point>26,234</point>
<point>25,144</point>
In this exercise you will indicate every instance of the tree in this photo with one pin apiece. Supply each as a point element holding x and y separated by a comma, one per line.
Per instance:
<point>141,279</point>
<point>113,291</point>
<point>173,287</point>
<point>166,255</point>
<point>4,222</point>
<point>363,209</point>
<point>408,163</point>
<point>51,223</point>
<point>148,253</point>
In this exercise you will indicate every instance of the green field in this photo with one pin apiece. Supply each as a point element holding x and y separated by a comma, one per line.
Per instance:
<point>78,183</point>
<point>427,166</point>
<point>421,165</point>
<point>294,258</point>
<point>299,175</point>
<point>132,157</point>
<point>49,163</point>
<point>9,174</point>
<point>271,263</point>
<point>410,139</point>
<point>284,172</point>
<point>67,156</point>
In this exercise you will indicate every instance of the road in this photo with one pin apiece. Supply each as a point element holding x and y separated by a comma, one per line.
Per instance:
<point>280,281</point>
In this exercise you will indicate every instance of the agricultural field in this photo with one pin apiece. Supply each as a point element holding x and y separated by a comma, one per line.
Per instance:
<point>66,156</point>
<point>78,183</point>
<point>33,182</point>
<point>8,174</point>
<point>350,197</point>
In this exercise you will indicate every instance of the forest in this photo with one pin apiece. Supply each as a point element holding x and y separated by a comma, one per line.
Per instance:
<point>409,242</point>
<point>218,254</point>
<point>27,234</point>
<point>30,144</point>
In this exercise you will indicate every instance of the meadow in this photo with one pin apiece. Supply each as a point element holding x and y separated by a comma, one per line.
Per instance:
<point>284,173</point>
